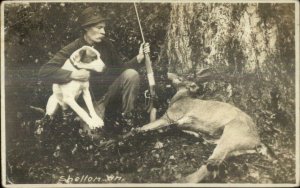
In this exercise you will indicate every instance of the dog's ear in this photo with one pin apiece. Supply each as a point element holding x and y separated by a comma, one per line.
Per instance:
<point>82,54</point>
<point>78,55</point>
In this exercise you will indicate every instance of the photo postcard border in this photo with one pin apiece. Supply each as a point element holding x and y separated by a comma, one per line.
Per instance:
<point>297,107</point>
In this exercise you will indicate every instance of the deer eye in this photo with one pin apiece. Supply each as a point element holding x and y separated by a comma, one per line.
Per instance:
<point>193,85</point>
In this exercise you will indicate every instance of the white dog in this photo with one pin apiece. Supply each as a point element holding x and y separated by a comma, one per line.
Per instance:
<point>66,94</point>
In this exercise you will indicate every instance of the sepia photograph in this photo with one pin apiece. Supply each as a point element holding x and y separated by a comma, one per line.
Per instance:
<point>143,93</point>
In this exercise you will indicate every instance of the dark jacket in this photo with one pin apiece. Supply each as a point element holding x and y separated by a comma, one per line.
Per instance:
<point>51,72</point>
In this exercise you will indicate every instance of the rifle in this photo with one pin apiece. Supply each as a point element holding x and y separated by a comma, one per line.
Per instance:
<point>151,108</point>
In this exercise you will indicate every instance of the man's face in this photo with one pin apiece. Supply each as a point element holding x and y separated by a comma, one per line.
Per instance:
<point>95,33</point>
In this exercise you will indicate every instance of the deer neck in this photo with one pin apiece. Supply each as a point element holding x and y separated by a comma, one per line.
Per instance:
<point>182,93</point>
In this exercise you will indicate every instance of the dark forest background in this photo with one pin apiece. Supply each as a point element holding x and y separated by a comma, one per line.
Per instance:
<point>249,48</point>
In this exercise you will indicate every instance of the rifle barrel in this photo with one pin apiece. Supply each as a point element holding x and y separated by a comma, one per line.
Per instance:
<point>138,18</point>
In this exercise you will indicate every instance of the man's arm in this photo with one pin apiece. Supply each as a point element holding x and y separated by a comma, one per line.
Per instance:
<point>116,60</point>
<point>144,49</point>
<point>52,71</point>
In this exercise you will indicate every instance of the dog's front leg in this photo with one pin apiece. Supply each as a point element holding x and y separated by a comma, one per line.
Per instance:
<point>82,114</point>
<point>88,101</point>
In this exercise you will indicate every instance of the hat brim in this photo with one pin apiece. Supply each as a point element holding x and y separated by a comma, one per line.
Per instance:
<point>95,21</point>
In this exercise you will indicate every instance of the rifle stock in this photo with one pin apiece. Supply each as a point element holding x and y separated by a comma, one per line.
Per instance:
<point>151,108</point>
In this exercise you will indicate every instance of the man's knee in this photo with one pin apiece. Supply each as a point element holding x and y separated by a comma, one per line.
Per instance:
<point>131,75</point>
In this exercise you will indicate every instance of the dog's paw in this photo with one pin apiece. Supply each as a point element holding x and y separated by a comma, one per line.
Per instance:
<point>92,124</point>
<point>98,121</point>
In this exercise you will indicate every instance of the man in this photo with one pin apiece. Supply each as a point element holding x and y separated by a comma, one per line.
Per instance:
<point>120,81</point>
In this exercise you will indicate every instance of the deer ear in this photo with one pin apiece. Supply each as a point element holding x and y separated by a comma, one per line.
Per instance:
<point>193,87</point>
<point>205,75</point>
<point>171,76</point>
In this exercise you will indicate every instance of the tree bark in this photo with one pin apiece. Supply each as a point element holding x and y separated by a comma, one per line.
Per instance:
<point>235,38</point>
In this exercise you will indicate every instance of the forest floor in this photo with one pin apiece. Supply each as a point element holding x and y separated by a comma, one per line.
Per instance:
<point>59,153</point>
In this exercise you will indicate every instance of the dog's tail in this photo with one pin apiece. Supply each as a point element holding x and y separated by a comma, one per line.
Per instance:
<point>37,109</point>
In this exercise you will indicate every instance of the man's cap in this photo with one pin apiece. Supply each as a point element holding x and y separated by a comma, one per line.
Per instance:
<point>90,16</point>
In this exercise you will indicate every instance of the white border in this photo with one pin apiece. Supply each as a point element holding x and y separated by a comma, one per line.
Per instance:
<point>3,143</point>
<point>150,1</point>
<point>297,94</point>
<point>297,112</point>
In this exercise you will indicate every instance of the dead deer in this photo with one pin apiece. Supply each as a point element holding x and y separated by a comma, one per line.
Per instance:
<point>190,114</point>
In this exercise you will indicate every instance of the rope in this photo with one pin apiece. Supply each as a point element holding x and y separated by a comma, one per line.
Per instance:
<point>169,120</point>
<point>172,121</point>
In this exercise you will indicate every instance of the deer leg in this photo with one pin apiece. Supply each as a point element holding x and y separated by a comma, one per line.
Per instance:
<point>160,123</point>
<point>236,139</point>
<point>242,152</point>
<point>215,160</point>
<point>195,177</point>
<point>185,120</point>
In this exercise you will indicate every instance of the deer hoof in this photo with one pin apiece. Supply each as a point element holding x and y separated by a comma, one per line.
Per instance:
<point>216,168</point>
<point>212,165</point>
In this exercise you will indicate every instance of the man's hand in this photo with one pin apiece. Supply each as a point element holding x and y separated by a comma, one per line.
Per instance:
<point>144,49</point>
<point>80,75</point>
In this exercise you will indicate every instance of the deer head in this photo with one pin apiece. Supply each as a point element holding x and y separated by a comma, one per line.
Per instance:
<point>187,88</point>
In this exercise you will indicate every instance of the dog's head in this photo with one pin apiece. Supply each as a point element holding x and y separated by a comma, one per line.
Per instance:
<point>88,58</point>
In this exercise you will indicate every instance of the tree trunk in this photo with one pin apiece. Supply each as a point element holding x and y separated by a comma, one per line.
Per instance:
<point>250,47</point>
<point>234,38</point>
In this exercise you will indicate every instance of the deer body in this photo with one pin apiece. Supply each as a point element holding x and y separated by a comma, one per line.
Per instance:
<point>239,133</point>
<point>212,117</point>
